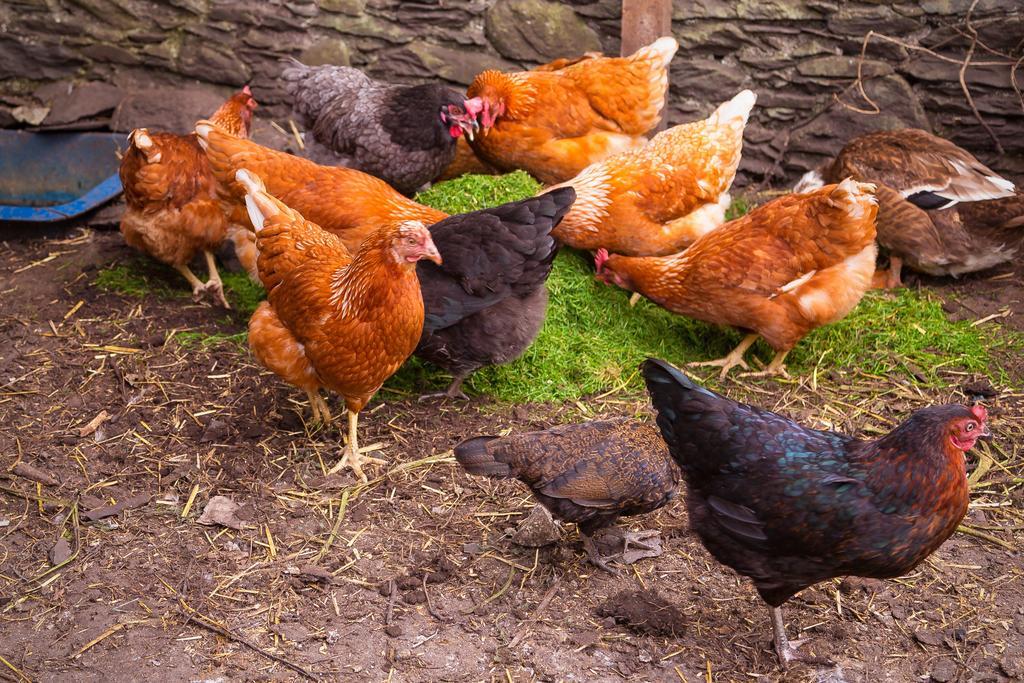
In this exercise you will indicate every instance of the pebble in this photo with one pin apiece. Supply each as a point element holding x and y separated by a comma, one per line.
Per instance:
<point>943,671</point>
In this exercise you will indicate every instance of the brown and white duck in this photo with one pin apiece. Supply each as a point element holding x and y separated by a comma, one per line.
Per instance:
<point>940,210</point>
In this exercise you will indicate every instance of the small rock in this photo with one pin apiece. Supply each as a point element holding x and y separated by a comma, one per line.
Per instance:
<point>415,597</point>
<point>943,671</point>
<point>394,630</point>
<point>1012,666</point>
<point>215,431</point>
<point>928,637</point>
<point>60,552</point>
<point>472,548</point>
<point>332,637</point>
<point>537,530</point>
<point>221,510</point>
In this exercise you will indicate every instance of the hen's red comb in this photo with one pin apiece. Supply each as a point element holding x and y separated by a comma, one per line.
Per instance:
<point>979,412</point>
<point>246,90</point>
<point>600,258</point>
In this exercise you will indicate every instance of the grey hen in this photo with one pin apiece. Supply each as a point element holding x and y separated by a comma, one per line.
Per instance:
<point>402,134</point>
<point>487,300</point>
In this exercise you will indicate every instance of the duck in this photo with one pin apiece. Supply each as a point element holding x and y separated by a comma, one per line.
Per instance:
<point>940,211</point>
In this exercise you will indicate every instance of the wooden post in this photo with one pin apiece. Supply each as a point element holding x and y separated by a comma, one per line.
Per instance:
<point>643,22</point>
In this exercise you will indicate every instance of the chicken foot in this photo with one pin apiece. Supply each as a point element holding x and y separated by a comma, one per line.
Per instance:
<point>734,358</point>
<point>785,648</point>
<point>198,286</point>
<point>775,367</point>
<point>454,390</point>
<point>214,284</point>
<point>595,557</point>
<point>321,413</point>
<point>352,458</point>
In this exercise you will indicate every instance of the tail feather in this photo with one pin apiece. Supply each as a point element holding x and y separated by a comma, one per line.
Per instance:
<point>660,52</point>
<point>474,457</point>
<point>736,111</point>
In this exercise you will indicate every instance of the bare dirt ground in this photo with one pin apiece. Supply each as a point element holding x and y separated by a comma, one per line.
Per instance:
<point>106,573</point>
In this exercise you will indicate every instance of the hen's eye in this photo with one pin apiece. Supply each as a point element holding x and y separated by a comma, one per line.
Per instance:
<point>971,426</point>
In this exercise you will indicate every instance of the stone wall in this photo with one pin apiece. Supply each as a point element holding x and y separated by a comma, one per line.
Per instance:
<point>123,63</point>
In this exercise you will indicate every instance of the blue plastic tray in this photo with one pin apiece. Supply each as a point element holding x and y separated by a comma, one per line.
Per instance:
<point>56,176</point>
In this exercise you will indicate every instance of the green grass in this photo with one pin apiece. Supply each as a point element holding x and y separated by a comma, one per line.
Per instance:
<point>141,277</point>
<point>474,192</point>
<point>592,341</point>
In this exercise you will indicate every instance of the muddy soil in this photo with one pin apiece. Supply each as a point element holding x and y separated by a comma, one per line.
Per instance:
<point>115,436</point>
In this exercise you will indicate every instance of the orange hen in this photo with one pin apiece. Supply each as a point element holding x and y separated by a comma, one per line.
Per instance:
<point>553,123</point>
<point>172,208</point>
<point>784,269</point>
<point>346,202</point>
<point>333,319</point>
<point>659,199</point>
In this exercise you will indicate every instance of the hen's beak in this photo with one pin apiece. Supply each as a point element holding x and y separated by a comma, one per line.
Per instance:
<point>986,433</point>
<point>431,253</point>
<point>469,126</point>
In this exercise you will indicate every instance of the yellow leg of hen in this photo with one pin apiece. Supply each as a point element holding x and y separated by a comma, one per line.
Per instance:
<point>352,457</point>
<point>775,367</point>
<point>198,287</point>
<point>314,404</point>
<point>732,360</point>
<point>635,298</point>
<point>213,283</point>
<point>325,411</point>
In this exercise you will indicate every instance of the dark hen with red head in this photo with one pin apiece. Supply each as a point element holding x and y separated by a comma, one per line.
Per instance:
<point>790,506</point>
<point>402,134</point>
<point>590,473</point>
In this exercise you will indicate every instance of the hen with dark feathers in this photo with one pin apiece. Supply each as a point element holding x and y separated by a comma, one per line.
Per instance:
<point>590,473</point>
<point>402,134</point>
<point>790,506</point>
<point>487,300</point>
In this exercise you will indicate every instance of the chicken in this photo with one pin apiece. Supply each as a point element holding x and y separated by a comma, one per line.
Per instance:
<point>790,506</point>
<point>660,198</point>
<point>933,201</point>
<point>555,123</point>
<point>402,134</point>
<point>787,267</point>
<point>172,209</point>
<point>590,473</point>
<point>334,319</point>
<point>487,302</point>
<point>345,202</point>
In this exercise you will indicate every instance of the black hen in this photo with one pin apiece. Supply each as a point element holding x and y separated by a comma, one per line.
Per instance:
<point>790,506</point>
<point>590,473</point>
<point>403,134</point>
<point>487,300</point>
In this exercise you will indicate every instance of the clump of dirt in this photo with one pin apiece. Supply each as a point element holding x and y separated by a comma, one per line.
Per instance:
<point>645,612</point>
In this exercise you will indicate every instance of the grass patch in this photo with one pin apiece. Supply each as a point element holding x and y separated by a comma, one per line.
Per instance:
<point>141,277</point>
<point>475,192</point>
<point>592,341</point>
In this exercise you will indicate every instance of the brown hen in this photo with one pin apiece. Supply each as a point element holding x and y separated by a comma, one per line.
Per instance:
<point>346,202</point>
<point>554,123</point>
<point>333,319</point>
<point>787,267</point>
<point>590,473</point>
<point>660,198</point>
<point>173,212</point>
<point>940,210</point>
